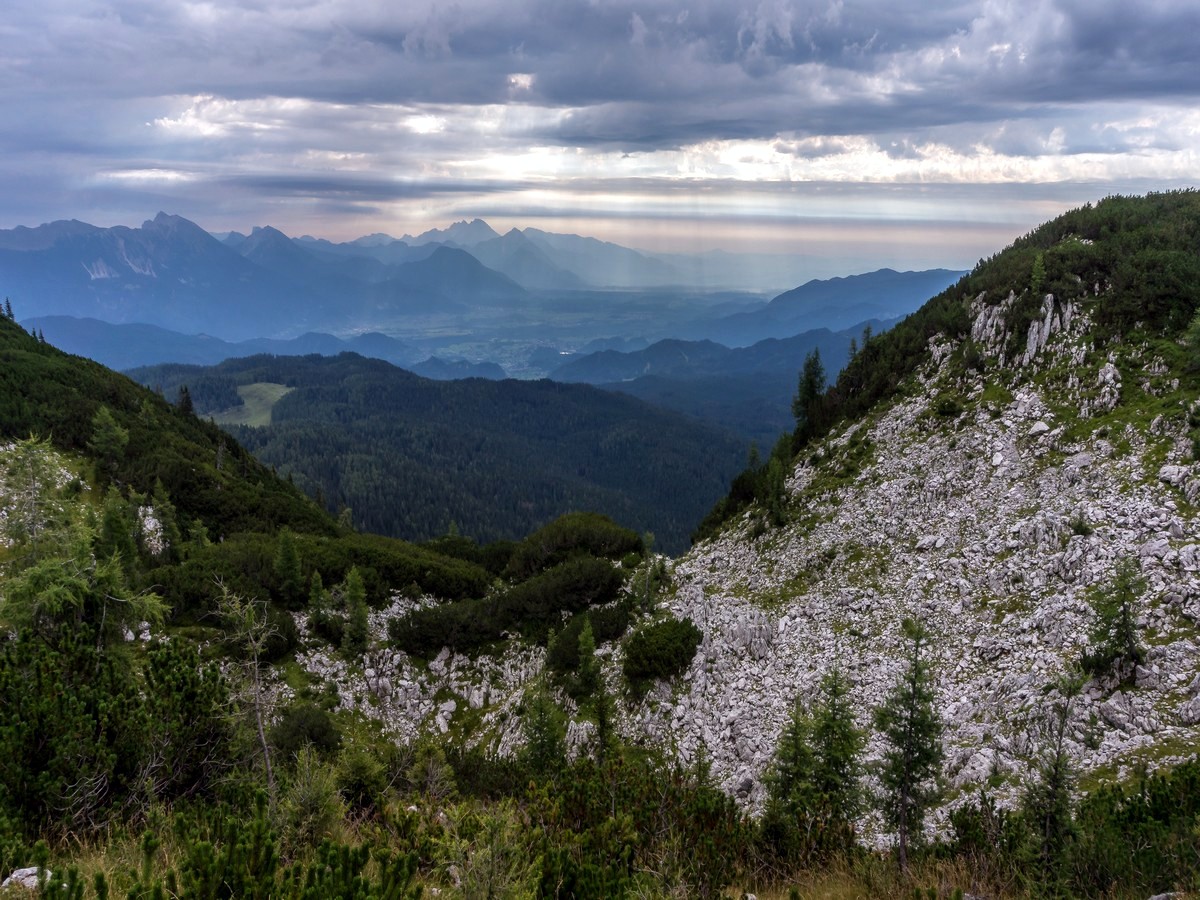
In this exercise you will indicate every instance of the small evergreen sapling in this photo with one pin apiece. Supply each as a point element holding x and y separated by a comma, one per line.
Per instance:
<point>1048,799</point>
<point>813,785</point>
<point>913,732</point>
<point>1115,646</point>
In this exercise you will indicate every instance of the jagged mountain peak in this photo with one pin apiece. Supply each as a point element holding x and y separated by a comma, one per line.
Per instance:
<point>462,233</point>
<point>166,222</point>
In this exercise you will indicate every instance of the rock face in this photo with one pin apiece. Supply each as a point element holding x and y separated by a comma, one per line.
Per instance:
<point>994,527</point>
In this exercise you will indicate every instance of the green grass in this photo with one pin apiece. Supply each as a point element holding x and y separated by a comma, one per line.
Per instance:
<point>258,400</point>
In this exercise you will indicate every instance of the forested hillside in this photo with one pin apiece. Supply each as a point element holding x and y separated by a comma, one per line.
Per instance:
<point>409,456</point>
<point>217,484</point>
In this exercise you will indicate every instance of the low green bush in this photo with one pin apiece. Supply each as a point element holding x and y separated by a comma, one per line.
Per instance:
<point>661,650</point>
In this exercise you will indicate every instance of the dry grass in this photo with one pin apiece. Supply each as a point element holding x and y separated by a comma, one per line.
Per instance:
<point>876,877</point>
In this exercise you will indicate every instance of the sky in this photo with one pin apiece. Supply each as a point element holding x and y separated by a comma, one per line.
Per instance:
<point>880,132</point>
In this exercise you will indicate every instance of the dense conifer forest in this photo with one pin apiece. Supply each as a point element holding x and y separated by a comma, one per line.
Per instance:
<point>409,456</point>
<point>158,737</point>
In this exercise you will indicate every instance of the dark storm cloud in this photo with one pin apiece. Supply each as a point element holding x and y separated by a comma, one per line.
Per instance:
<point>723,69</point>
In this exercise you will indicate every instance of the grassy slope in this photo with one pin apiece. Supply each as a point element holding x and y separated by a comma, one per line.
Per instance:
<point>258,400</point>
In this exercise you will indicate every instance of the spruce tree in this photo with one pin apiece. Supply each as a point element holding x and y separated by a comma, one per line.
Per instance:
<point>913,732</point>
<point>837,746</point>
<point>810,391</point>
<point>287,570</point>
<point>606,735</point>
<point>813,789</point>
<point>115,536</point>
<point>787,823</point>
<point>545,732</point>
<point>357,634</point>
<point>589,666</point>
<point>1115,645</point>
<point>108,441</point>
<point>1037,276</point>
<point>171,538</point>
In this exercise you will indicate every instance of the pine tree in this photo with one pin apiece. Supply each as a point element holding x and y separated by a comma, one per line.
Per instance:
<point>8,310</point>
<point>185,401</point>
<point>913,732</point>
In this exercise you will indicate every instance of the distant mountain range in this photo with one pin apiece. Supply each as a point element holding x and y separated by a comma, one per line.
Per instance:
<point>747,390</point>
<point>834,303</point>
<point>463,282</point>
<point>124,347</point>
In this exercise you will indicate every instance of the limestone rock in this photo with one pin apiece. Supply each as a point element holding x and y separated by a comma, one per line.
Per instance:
<point>24,878</point>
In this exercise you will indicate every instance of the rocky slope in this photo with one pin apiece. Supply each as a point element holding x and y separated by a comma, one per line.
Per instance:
<point>990,506</point>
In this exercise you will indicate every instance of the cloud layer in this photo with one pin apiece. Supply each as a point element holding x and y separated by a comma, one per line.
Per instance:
<point>346,116</point>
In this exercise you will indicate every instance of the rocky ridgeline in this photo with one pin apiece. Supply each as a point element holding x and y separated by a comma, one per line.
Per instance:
<point>984,506</point>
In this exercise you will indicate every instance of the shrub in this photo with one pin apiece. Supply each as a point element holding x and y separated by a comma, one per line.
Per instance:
<point>302,725</point>
<point>361,778</point>
<point>531,607</point>
<point>572,535</point>
<point>661,650</point>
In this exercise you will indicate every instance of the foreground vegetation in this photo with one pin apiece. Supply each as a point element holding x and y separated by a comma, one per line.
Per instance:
<point>161,766</point>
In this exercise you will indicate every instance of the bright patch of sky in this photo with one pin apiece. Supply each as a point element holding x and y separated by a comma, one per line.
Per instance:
<point>872,131</point>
